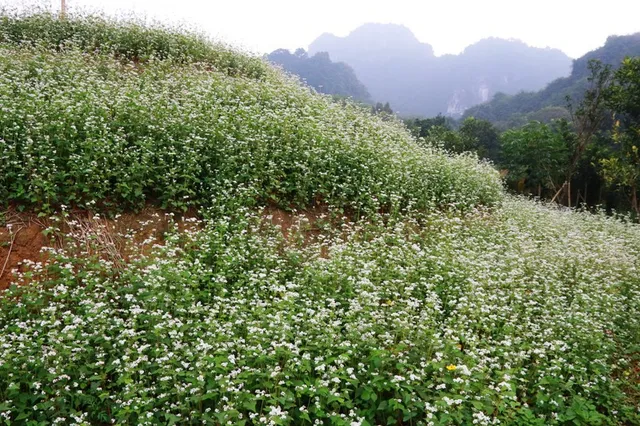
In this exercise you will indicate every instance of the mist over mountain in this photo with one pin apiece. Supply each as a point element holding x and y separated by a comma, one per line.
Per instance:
<point>548,103</point>
<point>396,67</point>
<point>318,71</point>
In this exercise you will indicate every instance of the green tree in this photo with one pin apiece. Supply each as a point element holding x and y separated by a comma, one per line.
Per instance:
<point>535,155</point>
<point>587,120</point>
<point>485,134</point>
<point>549,114</point>
<point>623,166</point>
<point>382,109</point>
<point>450,140</point>
<point>420,127</point>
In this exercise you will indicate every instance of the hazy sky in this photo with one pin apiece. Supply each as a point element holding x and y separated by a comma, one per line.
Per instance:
<point>574,26</point>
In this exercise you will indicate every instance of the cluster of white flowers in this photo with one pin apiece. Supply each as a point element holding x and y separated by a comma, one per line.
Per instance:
<point>405,301</point>
<point>233,320</point>
<point>182,135</point>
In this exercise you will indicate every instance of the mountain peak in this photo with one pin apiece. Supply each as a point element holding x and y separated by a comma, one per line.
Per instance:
<point>507,46</point>
<point>510,109</point>
<point>389,31</point>
<point>396,67</point>
<point>374,36</point>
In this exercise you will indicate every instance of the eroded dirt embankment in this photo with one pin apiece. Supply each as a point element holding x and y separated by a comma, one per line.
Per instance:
<point>25,242</point>
<point>26,239</point>
<point>21,242</point>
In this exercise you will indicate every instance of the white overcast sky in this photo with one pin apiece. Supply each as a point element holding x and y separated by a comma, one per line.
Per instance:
<point>574,26</point>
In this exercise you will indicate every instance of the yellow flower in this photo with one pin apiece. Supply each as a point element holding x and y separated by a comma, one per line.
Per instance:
<point>451,367</point>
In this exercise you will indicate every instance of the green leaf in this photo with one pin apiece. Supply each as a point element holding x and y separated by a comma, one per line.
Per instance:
<point>250,405</point>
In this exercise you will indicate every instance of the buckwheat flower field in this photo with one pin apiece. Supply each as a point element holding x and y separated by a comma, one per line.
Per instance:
<point>336,272</point>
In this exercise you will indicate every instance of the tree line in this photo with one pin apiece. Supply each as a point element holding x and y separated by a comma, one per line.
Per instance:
<point>589,157</point>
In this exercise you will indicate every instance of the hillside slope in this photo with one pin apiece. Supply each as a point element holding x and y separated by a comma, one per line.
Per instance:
<point>398,68</point>
<point>319,72</point>
<point>327,270</point>
<point>80,130</point>
<point>508,111</point>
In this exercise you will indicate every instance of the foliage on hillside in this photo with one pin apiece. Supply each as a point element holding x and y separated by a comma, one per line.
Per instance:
<point>512,111</point>
<point>127,40</point>
<point>319,72</point>
<point>421,294</point>
<point>524,316</point>
<point>80,131</point>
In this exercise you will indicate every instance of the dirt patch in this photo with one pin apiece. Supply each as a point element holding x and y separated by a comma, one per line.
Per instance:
<point>21,242</point>
<point>24,245</point>
<point>119,240</point>
<point>294,222</point>
<point>303,226</point>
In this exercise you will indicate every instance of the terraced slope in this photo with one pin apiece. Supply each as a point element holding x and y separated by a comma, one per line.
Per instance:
<point>329,270</point>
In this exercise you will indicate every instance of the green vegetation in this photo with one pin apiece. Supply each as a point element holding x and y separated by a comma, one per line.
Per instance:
<point>332,78</point>
<point>514,111</point>
<point>623,166</point>
<point>421,294</point>
<point>80,131</point>
<point>126,40</point>
<point>471,135</point>
<point>537,154</point>
<point>525,315</point>
<point>591,147</point>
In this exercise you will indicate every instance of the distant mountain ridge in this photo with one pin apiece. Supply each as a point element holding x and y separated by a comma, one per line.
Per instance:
<point>396,67</point>
<point>509,111</point>
<point>318,71</point>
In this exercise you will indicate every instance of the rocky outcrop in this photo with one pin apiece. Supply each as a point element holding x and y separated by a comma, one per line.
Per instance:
<point>397,68</point>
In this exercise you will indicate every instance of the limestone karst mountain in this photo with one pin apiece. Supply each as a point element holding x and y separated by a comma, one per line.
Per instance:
<point>396,67</point>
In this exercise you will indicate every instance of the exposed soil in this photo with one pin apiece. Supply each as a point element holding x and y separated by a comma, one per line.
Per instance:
<point>130,235</point>
<point>301,224</point>
<point>23,243</point>
<point>293,221</point>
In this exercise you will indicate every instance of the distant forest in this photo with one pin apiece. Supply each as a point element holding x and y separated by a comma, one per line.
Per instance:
<point>588,155</point>
<point>318,71</point>
<point>551,103</point>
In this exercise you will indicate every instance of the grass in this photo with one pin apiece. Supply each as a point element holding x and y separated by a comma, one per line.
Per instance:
<point>423,296</point>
